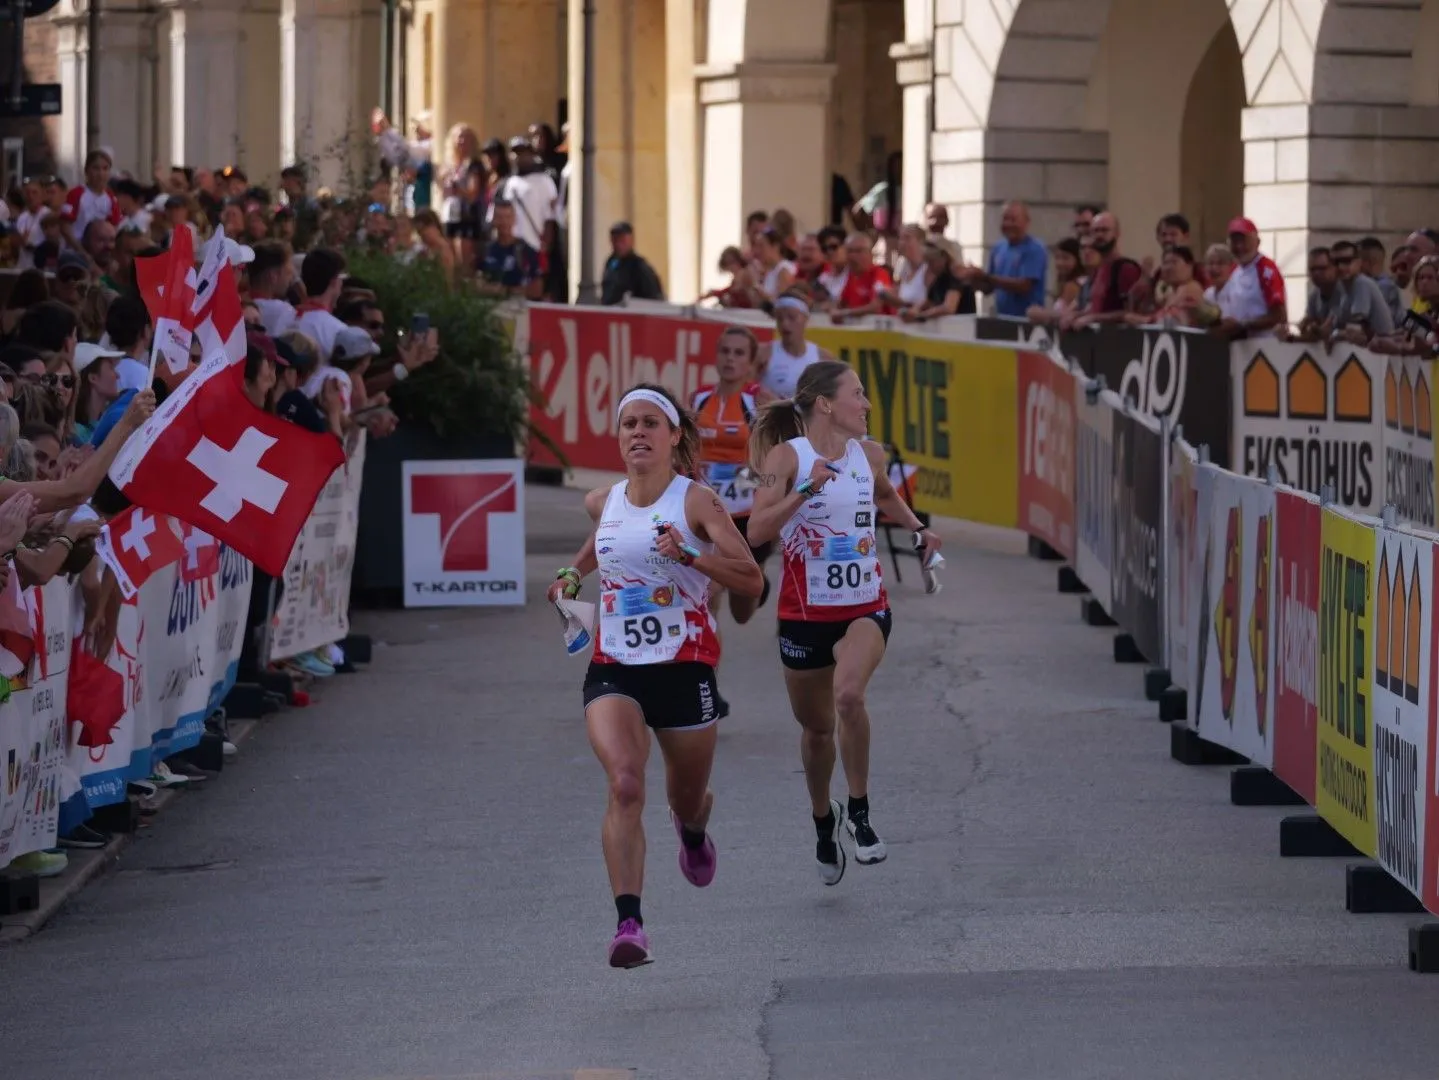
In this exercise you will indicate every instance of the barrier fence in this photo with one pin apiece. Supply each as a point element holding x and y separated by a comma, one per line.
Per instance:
<point>1289,630</point>
<point>76,729</point>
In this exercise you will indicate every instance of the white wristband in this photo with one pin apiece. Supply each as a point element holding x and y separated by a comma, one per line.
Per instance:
<point>400,372</point>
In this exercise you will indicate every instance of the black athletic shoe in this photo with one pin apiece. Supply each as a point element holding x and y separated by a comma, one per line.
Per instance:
<point>868,848</point>
<point>82,836</point>
<point>829,852</point>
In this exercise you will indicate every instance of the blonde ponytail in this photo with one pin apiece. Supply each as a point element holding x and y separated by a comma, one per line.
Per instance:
<point>781,421</point>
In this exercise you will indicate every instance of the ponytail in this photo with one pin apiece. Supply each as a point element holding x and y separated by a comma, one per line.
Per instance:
<point>775,423</point>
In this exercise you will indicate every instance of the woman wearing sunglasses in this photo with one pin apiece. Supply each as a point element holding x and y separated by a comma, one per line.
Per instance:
<point>61,380</point>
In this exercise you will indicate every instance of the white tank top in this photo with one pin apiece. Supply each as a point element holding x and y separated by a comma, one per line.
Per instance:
<point>914,289</point>
<point>770,285</point>
<point>831,565</point>
<point>781,374</point>
<point>652,610</point>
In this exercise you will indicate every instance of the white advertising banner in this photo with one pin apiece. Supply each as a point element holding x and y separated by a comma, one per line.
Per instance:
<point>1094,492</point>
<point>1409,439</point>
<point>1184,526</point>
<point>464,533</point>
<point>314,604</point>
<point>32,727</point>
<point>1403,636</point>
<point>1234,703</point>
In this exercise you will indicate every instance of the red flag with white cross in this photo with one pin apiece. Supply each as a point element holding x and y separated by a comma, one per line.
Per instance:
<point>137,543</point>
<point>212,459</point>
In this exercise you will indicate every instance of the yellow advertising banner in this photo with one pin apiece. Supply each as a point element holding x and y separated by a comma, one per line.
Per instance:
<point>1345,764</point>
<point>950,409</point>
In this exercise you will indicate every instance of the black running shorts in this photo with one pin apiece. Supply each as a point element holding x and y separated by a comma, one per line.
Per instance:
<point>809,646</point>
<point>671,697</point>
<point>762,552</point>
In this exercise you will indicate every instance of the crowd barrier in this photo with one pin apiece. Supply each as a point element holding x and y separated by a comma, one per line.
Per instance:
<point>75,729</point>
<point>1285,603</point>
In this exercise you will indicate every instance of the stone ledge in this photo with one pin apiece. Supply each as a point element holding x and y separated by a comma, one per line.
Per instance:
<point>765,81</point>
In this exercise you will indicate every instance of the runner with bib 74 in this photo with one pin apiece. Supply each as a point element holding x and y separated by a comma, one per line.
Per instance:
<point>821,485</point>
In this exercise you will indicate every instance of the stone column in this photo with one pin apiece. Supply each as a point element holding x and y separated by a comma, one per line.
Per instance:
<point>914,70</point>
<point>323,124</point>
<point>682,134</point>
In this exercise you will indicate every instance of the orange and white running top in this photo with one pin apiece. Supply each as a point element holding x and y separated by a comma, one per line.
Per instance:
<point>652,610</point>
<point>724,424</point>
<point>831,564</point>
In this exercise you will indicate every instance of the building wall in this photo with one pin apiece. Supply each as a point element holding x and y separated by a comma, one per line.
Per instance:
<point>42,136</point>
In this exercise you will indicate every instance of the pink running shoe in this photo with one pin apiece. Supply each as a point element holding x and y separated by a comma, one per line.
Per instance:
<point>697,866</point>
<point>630,947</point>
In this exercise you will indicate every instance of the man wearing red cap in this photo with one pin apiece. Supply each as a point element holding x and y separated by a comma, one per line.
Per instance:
<point>1253,300</point>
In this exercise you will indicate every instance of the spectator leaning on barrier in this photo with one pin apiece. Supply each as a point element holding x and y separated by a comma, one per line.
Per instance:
<point>1017,266</point>
<point>627,273</point>
<point>864,282</point>
<point>1401,269</point>
<point>945,294</point>
<point>1365,313</point>
<point>1068,285</point>
<point>1252,301</point>
<point>1325,305</point>
<point>1376,265</point>
<point>1114,278</point>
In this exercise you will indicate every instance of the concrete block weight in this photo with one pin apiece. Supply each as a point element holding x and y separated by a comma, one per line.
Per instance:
<point>358,648</point>
<point>1424,948</point>
<point>18,892</point>
<point>208,754</point>
<point>249,701</point>
<point>1308,836</point>
<point>1038,549</point>
<point>1369,889</point>
<point>1126,650</point>
<point>1069,582</point>
<point>120,817</point>
<point>1173,705</point>
<point>1156,681</point>
<point>1254,785</point>
<point>1092,613</point>
<point>1187,748</point>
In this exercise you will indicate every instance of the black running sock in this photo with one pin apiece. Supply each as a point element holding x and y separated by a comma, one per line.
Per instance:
<point>858,807</point>
<point>824,827</point>
<point>692,840</point>
<point>627,906</point>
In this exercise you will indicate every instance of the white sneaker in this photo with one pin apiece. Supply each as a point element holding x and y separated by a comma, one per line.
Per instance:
<point>161,776</point>
<point>229,749</point>
<point>335,655</point>
<point>831,872</point>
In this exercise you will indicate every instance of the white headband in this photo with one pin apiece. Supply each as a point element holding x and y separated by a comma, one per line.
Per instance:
<point>658,400</point>
<point>793,303</point>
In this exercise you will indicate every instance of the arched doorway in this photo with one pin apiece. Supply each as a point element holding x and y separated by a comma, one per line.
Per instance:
<point>1211,150</point>
<point>866,113</point>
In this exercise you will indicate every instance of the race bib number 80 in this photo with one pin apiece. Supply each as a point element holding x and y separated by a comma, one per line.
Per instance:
<point>641,624</point>
<point>841,571</point>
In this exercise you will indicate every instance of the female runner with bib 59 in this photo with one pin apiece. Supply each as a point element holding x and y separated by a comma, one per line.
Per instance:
<point>821,481</point>
<point>660,541</point>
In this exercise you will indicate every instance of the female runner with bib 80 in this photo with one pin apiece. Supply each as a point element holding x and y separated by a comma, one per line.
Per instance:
<point>660,540</point>
<point>821,481</point>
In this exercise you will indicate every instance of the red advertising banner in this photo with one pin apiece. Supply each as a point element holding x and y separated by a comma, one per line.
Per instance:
<point>1429,771</point>
<point>1046,451</point>
<point>1296,653</point>
<point>584,359</point>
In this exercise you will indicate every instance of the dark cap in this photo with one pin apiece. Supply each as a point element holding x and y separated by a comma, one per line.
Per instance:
<point>622,228</point>
<point>522,142</point>
<point>265,344</point>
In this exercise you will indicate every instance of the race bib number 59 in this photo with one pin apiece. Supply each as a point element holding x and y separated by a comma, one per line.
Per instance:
<point>641,624</point>
<point>842,571</point>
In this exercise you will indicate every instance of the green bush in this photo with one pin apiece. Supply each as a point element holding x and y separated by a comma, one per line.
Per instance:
<point>477,385</point>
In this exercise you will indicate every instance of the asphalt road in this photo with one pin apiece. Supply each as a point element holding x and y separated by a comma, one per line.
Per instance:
<point>406,882</point>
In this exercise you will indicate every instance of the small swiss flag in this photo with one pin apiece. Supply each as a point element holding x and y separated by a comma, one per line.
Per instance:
<point>138,542</point>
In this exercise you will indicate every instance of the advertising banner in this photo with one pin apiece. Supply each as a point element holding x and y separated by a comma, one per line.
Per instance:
<point>1235,705</point>
<point>583,359</point>
<point>1198,571</point>
<point>1046,451</point>
<point>1182,540</point>
<point>1094,491</point>
<point>1315,417</point>
<point>950,408</point>
<point>464,533</point>
<point>1429,766</point>
<point>1296,649</point>
<point>1138,470</point>
<point>314,604</point>
<point>32,727</point>
<point>1403,667</point>
<point>1409,439</point>
<point>1345,763</point>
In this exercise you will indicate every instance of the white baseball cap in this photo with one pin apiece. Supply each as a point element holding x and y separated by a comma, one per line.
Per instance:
<point>87,352</point>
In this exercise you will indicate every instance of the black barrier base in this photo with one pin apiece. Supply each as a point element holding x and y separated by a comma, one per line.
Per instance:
<point>249,701</point>
<point>1173,705</point>
<point>209,755</point>
<point>277,682</point>
<point>1424,948</point>
<point>357,648</point>
<point>1187,748</point>
<point>1372,890</point>
<point>1069,582</point>
<point>1156,681</point>
<point>1038,549</point>
<point>1126,651</point>
<point>549,475</point>
<point>1093,614</point>
<point>120,817</point>
<point>1308,836</point>
<point>18,892</point>
<point>1254,785</point>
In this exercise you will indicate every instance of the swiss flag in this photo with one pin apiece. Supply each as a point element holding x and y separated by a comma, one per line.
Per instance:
<point>94,698</point>
<point>17,635</point>
<point>186,302</point>
<point>136,543</point>
<point>212,459</point>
